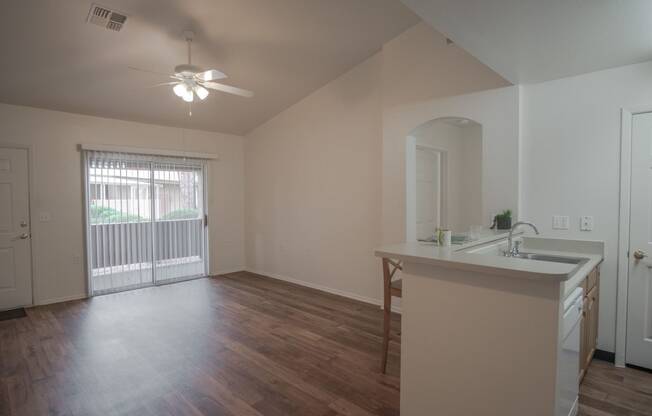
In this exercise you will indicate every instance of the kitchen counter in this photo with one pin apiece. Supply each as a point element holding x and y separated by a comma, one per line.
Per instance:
<point>467,257</point>
<point>481,332</point>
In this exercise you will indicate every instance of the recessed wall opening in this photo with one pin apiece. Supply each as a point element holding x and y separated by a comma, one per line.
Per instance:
<point>444,178</point>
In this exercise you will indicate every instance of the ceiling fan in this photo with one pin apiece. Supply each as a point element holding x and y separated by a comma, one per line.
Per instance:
<point>191,80</point>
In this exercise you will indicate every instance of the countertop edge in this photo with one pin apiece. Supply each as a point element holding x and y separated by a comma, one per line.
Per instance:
<point>477,267</point>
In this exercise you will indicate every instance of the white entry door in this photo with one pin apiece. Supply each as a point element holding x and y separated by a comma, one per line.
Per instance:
<point>428,174</point>
<point>639,304</point>
<point>15,248</point>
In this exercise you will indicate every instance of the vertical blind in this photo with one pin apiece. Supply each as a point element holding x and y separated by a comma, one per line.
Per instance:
<point>146,220</point>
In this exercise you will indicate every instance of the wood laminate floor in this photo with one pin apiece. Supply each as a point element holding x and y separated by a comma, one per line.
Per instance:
<point>233,345</point>
<point>610,391</point>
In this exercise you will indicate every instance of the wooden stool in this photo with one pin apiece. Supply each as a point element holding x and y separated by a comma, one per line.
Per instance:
<point>390,288</point>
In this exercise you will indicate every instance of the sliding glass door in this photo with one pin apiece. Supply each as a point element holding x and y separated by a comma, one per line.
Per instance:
<point>146,220</point>
<point>178,221</point>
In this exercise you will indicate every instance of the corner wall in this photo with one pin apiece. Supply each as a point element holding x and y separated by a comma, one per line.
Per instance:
<point>56,187</point>
<point>313,189</point>
<point>315,173</point>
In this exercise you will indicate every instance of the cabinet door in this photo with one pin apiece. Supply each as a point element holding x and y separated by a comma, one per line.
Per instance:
<point>596,309</point>
<point>594,300</point>
<point>584,336</point>
<point>591,325</point>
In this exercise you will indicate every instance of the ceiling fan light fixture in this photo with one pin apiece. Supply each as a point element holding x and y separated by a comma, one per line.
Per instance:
<point>190,80</point>
<point>201,92</point>
<point>188,96</point>
<point>180,90</point>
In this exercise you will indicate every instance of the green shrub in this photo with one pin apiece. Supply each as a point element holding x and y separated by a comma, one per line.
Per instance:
<point>181,214</point>
<point>106,215</point>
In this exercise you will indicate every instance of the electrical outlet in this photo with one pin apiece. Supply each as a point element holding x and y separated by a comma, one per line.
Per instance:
<point>44,217</point>
<point>76,259</point>
<point>586,223</point>
<point>560,222</point>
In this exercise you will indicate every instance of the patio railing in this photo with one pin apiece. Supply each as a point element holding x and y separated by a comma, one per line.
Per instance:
<point>123,244</point>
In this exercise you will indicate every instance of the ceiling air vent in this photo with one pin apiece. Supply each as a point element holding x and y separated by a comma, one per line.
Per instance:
<point>107,18</point>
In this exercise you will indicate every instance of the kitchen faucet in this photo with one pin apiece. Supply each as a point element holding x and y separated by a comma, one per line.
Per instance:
<point>513,249</point>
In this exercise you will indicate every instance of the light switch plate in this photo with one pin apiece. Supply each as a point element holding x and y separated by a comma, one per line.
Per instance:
<point>586,223</point>
<point>560,222</point>
<point>44,217</point>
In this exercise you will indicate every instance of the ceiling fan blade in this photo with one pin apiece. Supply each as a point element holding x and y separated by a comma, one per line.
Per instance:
<point>161,84</point>
<point>210,75</point>
<point>148,71</point>
<point>229,89</point>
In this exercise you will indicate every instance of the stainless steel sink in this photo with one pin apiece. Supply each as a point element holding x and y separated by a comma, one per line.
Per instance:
<point>548,257</point>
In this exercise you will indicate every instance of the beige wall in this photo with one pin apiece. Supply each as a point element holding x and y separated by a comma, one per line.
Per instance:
<point>315,173</point>
<point>426,79</point>
<point>313,189</point>
<point>418,66</point>
<point>56,187</point>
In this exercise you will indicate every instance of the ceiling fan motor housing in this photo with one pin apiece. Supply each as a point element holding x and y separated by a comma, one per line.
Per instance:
<point>187,69</point>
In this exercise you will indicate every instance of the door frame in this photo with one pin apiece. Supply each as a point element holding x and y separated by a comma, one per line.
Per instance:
<point>29,148</point>
<point>626,120</point>
<point>410,182</point>
<point>443,178</point>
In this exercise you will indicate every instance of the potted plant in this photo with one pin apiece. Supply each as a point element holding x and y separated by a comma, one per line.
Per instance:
<point>503,221</point>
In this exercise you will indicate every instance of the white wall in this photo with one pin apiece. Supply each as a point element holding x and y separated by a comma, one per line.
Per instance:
<point>571,150</point>
<point>314,173</point>
<point>56,187</point>
<point>471,172</point>
<point>498,113</point>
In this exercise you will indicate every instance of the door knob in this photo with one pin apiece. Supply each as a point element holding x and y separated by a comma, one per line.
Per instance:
<point>640,254</point>
<point>23,236</point>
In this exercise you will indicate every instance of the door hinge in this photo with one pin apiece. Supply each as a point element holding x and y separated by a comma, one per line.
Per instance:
<point>205,220</point>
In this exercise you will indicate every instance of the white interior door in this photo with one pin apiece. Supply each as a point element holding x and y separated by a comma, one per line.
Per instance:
<point>639,304</point>
<point>15,248</point>
<point>428,178</point>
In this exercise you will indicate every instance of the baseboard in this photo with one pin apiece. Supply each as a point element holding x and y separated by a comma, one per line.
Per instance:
<point>227,271</point>
<point>59,300</point>
<point>636,367</point>
<point>338,292</point>
<point>84,296</point>
<point>343,293</point>
<point>604,356</point>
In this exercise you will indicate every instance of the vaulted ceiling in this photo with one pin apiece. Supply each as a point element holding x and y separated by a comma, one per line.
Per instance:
<point>529,41</point>
<point>282,50</point>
